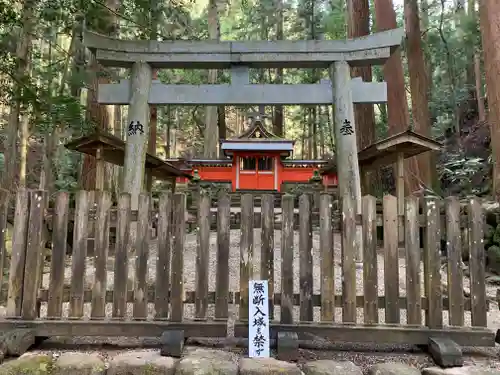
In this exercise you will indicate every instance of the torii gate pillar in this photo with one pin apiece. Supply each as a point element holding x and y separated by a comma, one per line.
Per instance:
<point>137,131</point>
<point>345,141</point>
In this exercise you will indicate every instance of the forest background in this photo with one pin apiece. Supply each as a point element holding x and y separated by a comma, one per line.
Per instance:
<point>436,85</point>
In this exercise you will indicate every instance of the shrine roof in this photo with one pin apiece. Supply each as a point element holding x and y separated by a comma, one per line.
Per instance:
<point>257,138</point>
<point>113,151</point>
<point>386,151</point>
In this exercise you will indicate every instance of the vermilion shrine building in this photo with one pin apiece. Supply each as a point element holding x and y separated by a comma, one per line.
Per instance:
<point>257,160</point>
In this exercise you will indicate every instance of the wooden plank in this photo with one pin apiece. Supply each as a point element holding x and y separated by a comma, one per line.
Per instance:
<point>267,247</point>
<point>110,328</point>
<point>454,251</point>
<point>391,260</point>
<point>202,256</point>
<point>18,257</point>
<point>179,236</point>
<point>432,263</point>
<point>223,238</point>
<point>234,298</point>
<point>327,259</point>
<point>101,248</point>
<point>370,272</point>
<point>141,260</point>
<point>348,237</point>
<point>121,256</point>
<point>400,193</point>
<point>412,250</point>
<point>379,334</point>
<point>58,256</point>
<point>164,251</point>
<point>34,254</point>
<point>286,311</point>
<point>305,258</point>
<point>477,264</point>
<point>4,210</point>
<point>79,254</point>
<point>246,252</point>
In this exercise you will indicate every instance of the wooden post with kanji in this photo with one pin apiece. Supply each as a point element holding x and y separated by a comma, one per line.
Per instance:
<point>345,141</point>
<point>137,132</point>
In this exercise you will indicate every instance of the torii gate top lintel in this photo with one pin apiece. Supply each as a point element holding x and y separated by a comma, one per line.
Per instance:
<point>373,49</point>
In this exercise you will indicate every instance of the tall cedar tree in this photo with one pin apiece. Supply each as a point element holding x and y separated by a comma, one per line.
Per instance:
<point>211,126</point>
<point>358,24</point>
<point>489,13</point>
<point>101,115</point>
<point>397,105</point>
<point>419,86</point>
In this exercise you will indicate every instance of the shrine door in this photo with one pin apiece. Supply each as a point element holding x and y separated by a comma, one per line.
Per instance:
<point>257,173</point>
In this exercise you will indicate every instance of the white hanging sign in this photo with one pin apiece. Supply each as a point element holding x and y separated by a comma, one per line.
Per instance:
<point>258,319</point>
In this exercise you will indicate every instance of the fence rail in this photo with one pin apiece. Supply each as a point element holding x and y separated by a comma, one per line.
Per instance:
<point>307,301</point>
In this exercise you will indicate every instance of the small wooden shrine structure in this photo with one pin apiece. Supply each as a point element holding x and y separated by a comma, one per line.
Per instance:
<point>106,147</point>
<point>256,160</point>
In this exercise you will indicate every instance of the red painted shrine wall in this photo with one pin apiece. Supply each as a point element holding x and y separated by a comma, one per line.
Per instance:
<point>209,173</point>
<point>260,182</point>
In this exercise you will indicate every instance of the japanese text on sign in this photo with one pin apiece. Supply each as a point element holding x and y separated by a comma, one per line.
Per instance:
<point>258,319</point>
<point>346,128</point>
<point>135,127</point>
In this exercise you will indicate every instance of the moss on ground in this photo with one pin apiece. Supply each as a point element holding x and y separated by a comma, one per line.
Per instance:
<point>28,365</point>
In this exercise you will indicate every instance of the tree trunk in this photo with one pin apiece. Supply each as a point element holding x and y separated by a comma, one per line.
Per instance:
<point>22,64</point>
<point>397,105</point>
<point>481,110</point>
<point>419,88</point>
<point>154,16</point>
<point>278,110</point>
<point>358,24</point>
<point>490,31</point>
<point>100,115</point>
<point>211,127</point>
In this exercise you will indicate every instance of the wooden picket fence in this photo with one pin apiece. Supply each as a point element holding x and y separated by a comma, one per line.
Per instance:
<point>424,305</point>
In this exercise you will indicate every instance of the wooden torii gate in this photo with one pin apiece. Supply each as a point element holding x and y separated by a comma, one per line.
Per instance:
<point>335,56</point>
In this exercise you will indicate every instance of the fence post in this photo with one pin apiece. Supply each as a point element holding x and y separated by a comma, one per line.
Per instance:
<point>82,201</point>
<point>412,247</point>
<point>18,257</point>
<point>164,252</point>
<point>370,271</point>
<point>34,254</point>
<point>349,250</point>
<point>267,247</point>
<point>327,259</point>
<point>179,235</point>
<point>121,256</point>
<point>101,248</point>
<point>432,262</point>
<point>391,267</point>
<point>287,206</point>
<point>57,264</point>
<point>477,264</point>
<point>305,258</point>
<point>246,252</point>
<point>454,253</point>
<point>222,277</point>
<point>202,255</point>
<point>4,209</point>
